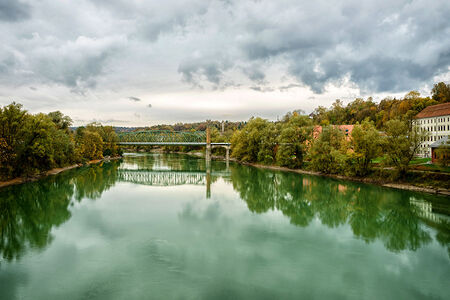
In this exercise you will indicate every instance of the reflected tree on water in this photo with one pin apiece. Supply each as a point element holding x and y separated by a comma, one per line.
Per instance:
<point>256,187</point>
<point>28,212</point>
<point>400,228</point>
<point>372,214</point>
<point>93,181</point>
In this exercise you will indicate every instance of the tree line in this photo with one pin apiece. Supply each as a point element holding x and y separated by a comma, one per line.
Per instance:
<point>33,143</point>
<point>295,142</point>
<point>380,113</point>
<point>316,142</point>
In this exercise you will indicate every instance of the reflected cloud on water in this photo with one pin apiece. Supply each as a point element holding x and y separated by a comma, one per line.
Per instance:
<point>401,220</point>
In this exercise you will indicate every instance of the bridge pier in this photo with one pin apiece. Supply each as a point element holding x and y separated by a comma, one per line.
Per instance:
<point>208,144</point>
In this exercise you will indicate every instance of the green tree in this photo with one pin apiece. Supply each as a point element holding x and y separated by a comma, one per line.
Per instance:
<point>37,151</point>
<point>295,134</point>
<point>366,145</point>
<point>254,143</point>
<point>401,143</point>
<point>89,144</point>
<point>61,121</point>
<point>267,151</point>
<point>109,138</point>
<point>328,151</point>
<point>12,120</point>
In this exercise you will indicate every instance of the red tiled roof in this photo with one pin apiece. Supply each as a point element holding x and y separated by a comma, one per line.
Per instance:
<point>435,111</point>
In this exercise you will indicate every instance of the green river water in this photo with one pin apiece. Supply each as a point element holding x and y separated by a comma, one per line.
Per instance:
<point>159,226</point>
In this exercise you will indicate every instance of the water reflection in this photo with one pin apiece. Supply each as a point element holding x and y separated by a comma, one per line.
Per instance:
<point>373,213</point>
<point>29,211</point>
<point>396,218</point>
<point>170,170</point>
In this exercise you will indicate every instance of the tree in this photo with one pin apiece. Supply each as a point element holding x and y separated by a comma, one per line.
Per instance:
<point>6,157</point>
<point>328,151</point>
<point>37,151</point>
<point>91,145</point>
<point>293,141</point>
<point>337,113</point>
<point>12,121</point>
<point>366,145</point>
<point>253,143</point>
<point>61,121</point>
<point>401,143</point>
<point>320,116</point>
<point>268,145</point>
<point>441,92</point>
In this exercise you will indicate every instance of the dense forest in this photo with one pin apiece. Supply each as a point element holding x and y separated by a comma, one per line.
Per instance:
<point>31,144</point>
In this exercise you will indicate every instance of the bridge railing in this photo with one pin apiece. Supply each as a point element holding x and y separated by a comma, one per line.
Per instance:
<point>162,136</point>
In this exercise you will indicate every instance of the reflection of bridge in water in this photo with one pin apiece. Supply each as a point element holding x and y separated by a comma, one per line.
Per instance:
<point>170,177</point>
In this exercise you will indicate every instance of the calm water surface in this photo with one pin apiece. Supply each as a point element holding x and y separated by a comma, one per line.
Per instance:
<point>158,226</point>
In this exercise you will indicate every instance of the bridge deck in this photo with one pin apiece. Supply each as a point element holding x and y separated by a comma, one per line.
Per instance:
<point>172,143</point>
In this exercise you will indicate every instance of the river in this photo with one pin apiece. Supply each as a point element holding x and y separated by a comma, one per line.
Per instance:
<point>166,226</point>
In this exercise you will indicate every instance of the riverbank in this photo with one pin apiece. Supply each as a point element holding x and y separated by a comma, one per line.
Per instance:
<point>381,181</point>
<point>377,181</point>
<point>20,180</point>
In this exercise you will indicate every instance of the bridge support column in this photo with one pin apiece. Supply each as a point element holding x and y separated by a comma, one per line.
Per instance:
<point>208,144</point>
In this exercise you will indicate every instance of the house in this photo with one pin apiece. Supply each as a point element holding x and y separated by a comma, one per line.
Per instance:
<point>435,120</point>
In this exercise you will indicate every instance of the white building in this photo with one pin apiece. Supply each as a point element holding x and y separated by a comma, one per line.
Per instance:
<point>435,120</point>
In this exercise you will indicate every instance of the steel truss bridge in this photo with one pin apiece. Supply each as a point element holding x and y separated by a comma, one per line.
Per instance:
<point>166,138</point>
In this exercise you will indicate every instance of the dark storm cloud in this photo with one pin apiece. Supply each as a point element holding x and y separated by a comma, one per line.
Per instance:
<point>380,47</point>
<point>14,11</point>
<point>99,45</point>
<point>76,64</point>
<point>194,71</point>
<point>254,74</point>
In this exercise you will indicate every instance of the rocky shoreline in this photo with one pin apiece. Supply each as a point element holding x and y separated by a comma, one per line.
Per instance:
<point>20,180</point>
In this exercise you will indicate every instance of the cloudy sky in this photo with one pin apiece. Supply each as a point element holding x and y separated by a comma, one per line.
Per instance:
<point>132,62</point>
